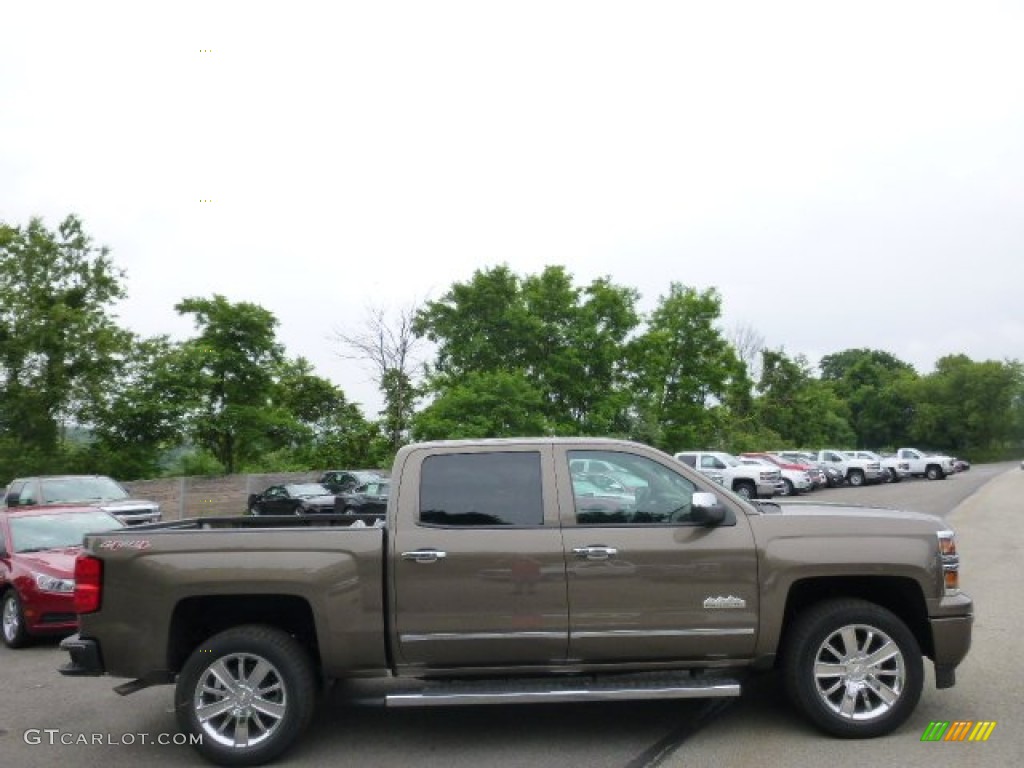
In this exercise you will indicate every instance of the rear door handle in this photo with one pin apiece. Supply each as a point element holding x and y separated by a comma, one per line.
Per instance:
<point>595,552</point>
<point>425,555</point>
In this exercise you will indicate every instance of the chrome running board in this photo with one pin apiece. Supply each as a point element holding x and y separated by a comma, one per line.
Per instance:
<point>557,690</point>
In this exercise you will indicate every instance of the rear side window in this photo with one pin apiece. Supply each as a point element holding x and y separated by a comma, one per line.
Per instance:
<point>482,489</point>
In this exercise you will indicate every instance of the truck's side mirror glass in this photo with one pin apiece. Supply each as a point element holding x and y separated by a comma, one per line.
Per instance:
<point>705,509</point>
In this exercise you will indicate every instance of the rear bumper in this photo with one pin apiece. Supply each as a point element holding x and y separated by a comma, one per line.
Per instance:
<point>86,659</point>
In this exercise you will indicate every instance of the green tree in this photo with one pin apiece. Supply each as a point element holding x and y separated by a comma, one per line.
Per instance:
<point>326,429</point>
<point>230,366</point>
<point>561,344</point>
<point>875,386</point>
<point>969,407</point>
<point>59,343</point>
<point>685,372</point>
<point>140,416</point>
<point>484,404</point>
<point>574,353</point>
<point>802,410</point>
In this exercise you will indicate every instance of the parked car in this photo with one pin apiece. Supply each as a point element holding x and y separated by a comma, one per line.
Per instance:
<point>341,480</point>
<point>749,482</point>
<point>77,490</point>
<point>961,465</point>
<point>292,499</point>
<point>856,472</point>
<point>823,477</point>
<point>371,497</point>
<point>895,468</point>
<point>37,568</point>
<point>931,465</point>
<point>796,477</point>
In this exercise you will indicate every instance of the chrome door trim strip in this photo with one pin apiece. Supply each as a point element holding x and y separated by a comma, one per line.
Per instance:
<point>738,632</point>
<point>483,636</point>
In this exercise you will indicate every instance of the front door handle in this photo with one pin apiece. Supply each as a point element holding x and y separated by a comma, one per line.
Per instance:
<point>595,552</point>
<point>425,555</point>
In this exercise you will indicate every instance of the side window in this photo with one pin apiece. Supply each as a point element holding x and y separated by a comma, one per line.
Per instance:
<point>28,495</point>
<point>688,458</point>
<point>482,489</point>
<point>633,491</point>
<point>13,492</point>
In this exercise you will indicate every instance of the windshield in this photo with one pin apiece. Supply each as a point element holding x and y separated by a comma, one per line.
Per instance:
<point>59,490</point>
<point>37,532</point>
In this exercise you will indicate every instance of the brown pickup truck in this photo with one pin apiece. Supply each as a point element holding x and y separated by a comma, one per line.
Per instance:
<point>500,576</point>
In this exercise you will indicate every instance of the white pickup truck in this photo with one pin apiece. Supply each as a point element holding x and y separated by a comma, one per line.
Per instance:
<point>894,467</point>
<point>856,471</point>
<point>926,465</point>
<point>750,482</point>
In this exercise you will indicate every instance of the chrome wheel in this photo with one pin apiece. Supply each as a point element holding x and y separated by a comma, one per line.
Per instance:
<point>246,694</point>
<point>859,672</point>
<point>11,619</point>
<point>240,700</point>
<point>853,668</point>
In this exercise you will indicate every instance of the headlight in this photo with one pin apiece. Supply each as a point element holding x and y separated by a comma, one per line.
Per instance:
<point>950,561</point>
<point>47,583</point>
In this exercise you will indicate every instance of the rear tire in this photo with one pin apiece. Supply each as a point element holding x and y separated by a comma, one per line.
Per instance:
<point>249,692</point>
<point>787,488</point>
<point>853,668</point>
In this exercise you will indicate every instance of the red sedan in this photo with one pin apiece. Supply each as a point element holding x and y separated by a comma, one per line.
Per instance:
<point>37,568</point>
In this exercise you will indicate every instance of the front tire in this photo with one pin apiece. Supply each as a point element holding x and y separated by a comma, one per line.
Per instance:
<point>934,472</point>
<point>856,478</point>
<point>746,490</point>
<point>853,668</point>
<point>12,621</point>
<point>787,488</point>
<point>249,692</point>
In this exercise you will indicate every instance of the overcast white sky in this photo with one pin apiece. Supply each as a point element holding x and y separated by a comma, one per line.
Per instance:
<point>846,174</point>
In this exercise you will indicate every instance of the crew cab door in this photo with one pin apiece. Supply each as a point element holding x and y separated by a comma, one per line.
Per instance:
<point>646,583</point>
<point>476,559</point>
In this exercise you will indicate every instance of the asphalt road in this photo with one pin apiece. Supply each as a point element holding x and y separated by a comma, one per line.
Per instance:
<point>757,729</point>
